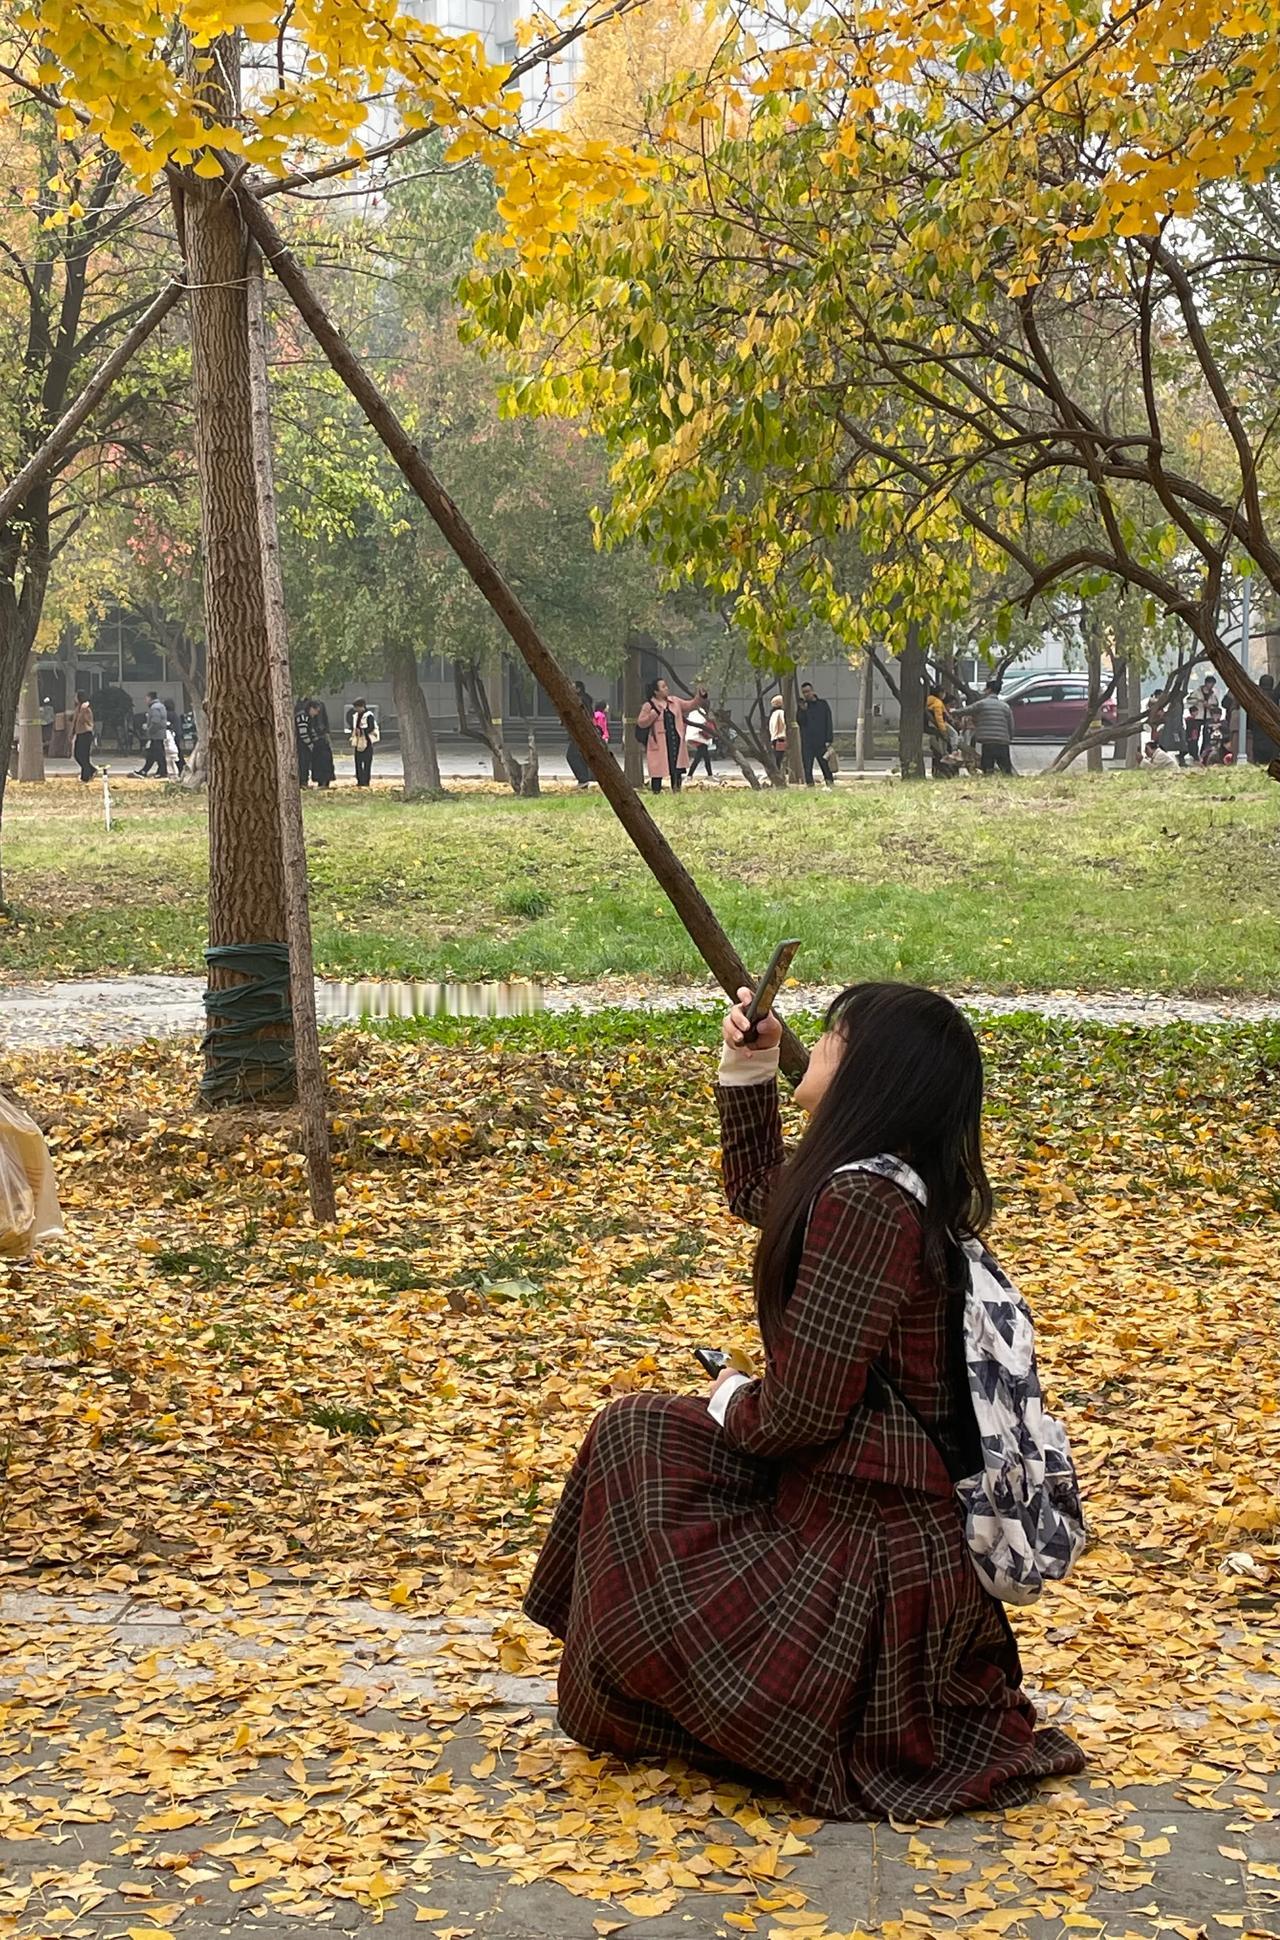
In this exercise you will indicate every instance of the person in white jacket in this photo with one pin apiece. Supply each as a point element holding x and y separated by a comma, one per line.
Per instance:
<point>778,726</point>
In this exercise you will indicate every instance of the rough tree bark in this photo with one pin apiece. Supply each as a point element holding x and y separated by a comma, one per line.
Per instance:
<point>308,1068</point>
<point>911,706</point>
<point>246,874</point>
<point>690,904</point>
<point>418,749</point>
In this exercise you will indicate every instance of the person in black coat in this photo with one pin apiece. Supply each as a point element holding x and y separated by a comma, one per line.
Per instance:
<point>816,732</point>
<point>320,745</point>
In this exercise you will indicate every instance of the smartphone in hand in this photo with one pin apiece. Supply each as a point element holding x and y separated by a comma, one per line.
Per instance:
<point>762,997</point>
<point>713,1359</point>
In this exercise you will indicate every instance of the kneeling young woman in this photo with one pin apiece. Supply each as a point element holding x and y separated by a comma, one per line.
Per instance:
<point>776,1581</point>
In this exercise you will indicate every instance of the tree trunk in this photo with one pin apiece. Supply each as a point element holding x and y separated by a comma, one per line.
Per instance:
<point>24,578</point>
<point>632,752</point>
<point>1093,660</point>
<point>758,729</point>
<point>30,739</point>
<point>417,734</point>
<point>246,875</point>
<point>13,660</point>
<point>472,699</point>
<point>731,735</point>
<point>864,741</point>
<point>529,784</point>
<point>309,1069</point>
<point>494,687</point>
<point>1128,705</point>
<point>911,706</point>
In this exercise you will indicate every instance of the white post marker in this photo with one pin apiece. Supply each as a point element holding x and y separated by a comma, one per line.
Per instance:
<point>1242,719</point>
<point>106,800</point>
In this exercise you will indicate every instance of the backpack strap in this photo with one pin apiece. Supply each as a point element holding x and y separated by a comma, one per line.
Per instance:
<point>887,1165</point>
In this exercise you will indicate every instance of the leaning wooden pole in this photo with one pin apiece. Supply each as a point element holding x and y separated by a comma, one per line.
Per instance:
<point>308,1069</point>
<point>690,905</point>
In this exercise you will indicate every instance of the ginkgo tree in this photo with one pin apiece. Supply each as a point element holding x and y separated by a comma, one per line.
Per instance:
<point>170,95</point>
<point>178,108</point>
<point>931,280</point>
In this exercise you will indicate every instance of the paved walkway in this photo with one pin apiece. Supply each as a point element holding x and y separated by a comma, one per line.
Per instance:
<point>281,1763</point>
<point>128,1009</point>
<point>134,1007</point>
<point>466,762</point>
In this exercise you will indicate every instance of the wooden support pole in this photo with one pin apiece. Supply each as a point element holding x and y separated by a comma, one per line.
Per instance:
<point>302,981</point>
<point>687,899</point>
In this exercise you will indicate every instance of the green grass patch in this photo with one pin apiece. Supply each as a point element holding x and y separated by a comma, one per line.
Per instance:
<point>1159,882</point>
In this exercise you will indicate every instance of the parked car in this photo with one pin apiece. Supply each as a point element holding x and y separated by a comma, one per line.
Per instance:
<point>1050,707</point>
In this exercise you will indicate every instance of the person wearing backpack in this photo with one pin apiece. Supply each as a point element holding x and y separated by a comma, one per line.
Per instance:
<point>660,725</point>
<point>797,1577</point>
<point>364,739</point>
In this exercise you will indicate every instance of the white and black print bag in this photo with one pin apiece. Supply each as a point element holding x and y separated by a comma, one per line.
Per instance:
<point>1022,1516</point>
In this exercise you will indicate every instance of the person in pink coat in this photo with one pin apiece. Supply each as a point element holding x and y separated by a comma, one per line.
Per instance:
<point>662,722</point>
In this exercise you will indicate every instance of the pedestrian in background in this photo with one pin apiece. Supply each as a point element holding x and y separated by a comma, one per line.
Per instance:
<point>578,765</point>
<point>82,735</point>
<point>660,724</point>
<point>321,747</point>
<point>155,725</point>
<point>778,728</point>
<point>302,739</point>
<point>364,739</point>
<point>992,721</point>
<point>817,731</point>
<point>700,731</point>
<point>1200,715</point>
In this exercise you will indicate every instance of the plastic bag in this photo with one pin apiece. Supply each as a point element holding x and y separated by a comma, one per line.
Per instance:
<point>29,1210</point>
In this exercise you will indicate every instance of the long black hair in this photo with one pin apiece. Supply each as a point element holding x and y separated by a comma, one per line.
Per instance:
<point>909,1081</point>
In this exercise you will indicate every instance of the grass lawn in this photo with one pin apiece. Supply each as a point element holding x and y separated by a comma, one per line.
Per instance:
<point>1160,882</point>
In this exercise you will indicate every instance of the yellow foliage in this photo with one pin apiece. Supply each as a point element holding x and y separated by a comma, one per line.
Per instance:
<point>636,57</point>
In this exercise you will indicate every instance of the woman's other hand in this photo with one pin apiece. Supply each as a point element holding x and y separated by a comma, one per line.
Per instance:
<point>725,1376</point>
<point>768,1030</point>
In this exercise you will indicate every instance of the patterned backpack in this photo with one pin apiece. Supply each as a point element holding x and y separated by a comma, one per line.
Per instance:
<point>1022,1516</point>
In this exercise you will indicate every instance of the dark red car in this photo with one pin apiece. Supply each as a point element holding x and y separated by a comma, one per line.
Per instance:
<point>1050,707</point>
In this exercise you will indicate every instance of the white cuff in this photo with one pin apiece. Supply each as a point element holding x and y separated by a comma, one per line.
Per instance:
<point>718,1405</point>
<point>741,1066</point>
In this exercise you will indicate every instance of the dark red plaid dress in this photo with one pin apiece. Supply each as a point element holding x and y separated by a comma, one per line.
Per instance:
<point>791,1595</point>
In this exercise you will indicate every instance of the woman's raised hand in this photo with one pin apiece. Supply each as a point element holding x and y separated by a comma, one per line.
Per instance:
<point>768,1029</point>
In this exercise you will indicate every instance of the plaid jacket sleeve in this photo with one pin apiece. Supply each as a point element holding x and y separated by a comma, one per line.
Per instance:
<point>854,1275</point>
<point>751,1146</point>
